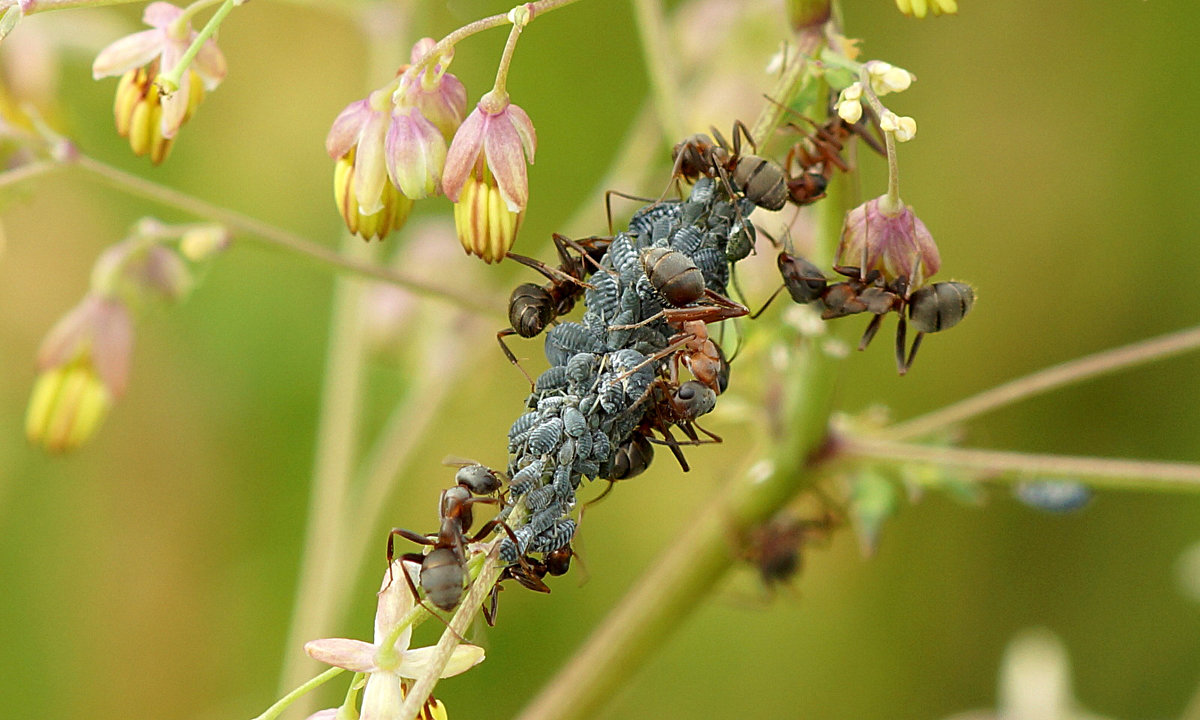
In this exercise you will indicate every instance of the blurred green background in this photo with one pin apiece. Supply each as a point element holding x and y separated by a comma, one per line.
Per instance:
<point>152,574</point>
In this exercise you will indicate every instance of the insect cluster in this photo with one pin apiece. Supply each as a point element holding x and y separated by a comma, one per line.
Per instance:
<point>614,388</point>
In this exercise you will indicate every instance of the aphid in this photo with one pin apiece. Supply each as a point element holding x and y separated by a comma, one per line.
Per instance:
<point>570,338</point>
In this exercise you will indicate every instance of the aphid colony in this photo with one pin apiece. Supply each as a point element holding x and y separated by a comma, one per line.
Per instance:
<point>614,388</point>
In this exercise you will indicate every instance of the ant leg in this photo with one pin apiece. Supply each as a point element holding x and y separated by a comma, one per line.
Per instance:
<point>608,203</point>
<point>489,613</point>
<point>513,358</point>
<point>739,125</point>
<point>673,444</point>
<point>491,525</point>
<point>913,352</point>
<point>598,498</point>
<point>767,304</point>
<point>869,334</point>
<point>552,273</point>
<point>901,338</point>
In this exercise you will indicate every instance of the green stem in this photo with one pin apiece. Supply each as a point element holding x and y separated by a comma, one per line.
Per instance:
<point>284,702</point>
<point>467,610</point>
<point>1051,378</point>
<point>519,17</point>
<point>661,67</point>
<point>1097,472</point>
<point>337,440</point>
<point>271,235</point>
<point>662,599</point>
<point>448,42</point>
<point>892,204</point>
<point>169,81</point>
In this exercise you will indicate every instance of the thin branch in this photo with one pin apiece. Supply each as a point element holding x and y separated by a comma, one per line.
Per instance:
<point>661,68</point>
<point>1019,467</point>
<point>26,172</point>
<point>1068,373</point>
<point>470,607</point>
<point>271,235</point>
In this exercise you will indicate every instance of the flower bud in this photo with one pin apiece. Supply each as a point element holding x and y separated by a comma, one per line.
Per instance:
<point>485,225</point>
<point>203,242</point>
<point>83,368</point>
<point>806,14</point>
<point>391,215</point>
<point>894,243</point>
<point>918,8</point>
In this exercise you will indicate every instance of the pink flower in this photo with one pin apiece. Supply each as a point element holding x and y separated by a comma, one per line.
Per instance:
<point>897,244</point>
<point>501,133</point>
<point>439,96</point>
<point>83,368</point>
<point>161,49</point>
<point>389,659</point>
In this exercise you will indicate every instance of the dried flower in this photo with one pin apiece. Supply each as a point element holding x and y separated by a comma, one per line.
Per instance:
<point>918,8</point>
<point>389,660</point>
<point>486,164</point>
<point>893,242</point>
<point>83,368</point>
<point>146,119</point>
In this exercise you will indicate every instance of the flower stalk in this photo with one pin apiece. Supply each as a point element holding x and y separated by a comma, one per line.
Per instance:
<point>168,82</point>
<point>892,202</point>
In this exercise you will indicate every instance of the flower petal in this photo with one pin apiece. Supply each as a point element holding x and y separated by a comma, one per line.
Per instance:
<point>112,347</point>
<point>344,132</point>
<point>416,661</point>
<point>127,53</point>
<point>175,105</point>
<point>354,655</point>
<point>463,153</point>
<point>382,698</point>
<point>161,14</point>
<point>506,159</point>
<point>370,165</point>
<point>395,601</point>
<point>524,127</point>
<point>209,64</point>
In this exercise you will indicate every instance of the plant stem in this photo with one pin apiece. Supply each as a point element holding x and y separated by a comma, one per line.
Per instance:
<point>467,610</point>
<point>1056,376</point>
<point>510,46</point>
<point>169,81</point>
<point>26,172</point>
<point>664,597</point>
<point>892,203</point>
<point>1019,467</point>
<point>271,235</point>
<point>337,440</point>
<point>284,702</point>
<point>661,68</point>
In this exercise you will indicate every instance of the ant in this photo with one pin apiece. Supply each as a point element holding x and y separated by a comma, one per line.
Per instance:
<point>529,574</point>
<point>761,181</point>
<point>932,308</point>
<point>775,548</point>
<point>443,572</point>
<point>680,285</point>
<point>532,307</point>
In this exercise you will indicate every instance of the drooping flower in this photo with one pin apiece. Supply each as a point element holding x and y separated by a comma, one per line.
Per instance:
<point>387,664</point>
<point>485,175</point>
<point>894,242</point>
<point>83,367</point>
<point>371,206</point>
<point>149,121</point>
